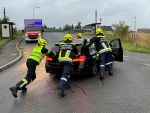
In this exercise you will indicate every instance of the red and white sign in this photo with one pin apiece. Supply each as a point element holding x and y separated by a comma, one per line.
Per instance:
<point>135,35</point>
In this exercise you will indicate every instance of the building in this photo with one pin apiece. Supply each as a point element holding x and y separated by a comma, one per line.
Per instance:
<point>144,30</point>
<point>91,27</point>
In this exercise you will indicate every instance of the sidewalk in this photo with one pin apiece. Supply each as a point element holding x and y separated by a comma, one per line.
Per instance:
<point>9,52</point>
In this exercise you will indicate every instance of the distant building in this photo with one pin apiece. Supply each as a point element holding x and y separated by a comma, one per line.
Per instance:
<point>107,29</point>
<point>90,27</point>
<point>144,30</point>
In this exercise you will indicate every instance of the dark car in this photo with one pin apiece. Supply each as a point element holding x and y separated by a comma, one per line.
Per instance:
<point>83,63</point>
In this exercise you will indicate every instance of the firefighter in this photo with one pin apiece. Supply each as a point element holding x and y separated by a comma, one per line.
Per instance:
<point>67,51</point>
<point>78,36</point>
<point>104,52</point>
<point>33,60</point>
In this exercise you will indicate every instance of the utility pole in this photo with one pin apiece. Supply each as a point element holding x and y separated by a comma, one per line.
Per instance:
<point>100,22</point>
<point>4,14</point>
<point>135,23</point>
<point>95,21</point>
<point>135,33</point>
<point>96,16</point>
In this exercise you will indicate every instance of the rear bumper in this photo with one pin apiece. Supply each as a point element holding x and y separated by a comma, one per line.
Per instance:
<point>56,68</point>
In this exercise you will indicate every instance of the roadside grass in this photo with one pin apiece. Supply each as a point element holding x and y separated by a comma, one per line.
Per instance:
<point>127,45</point>
<point>142,44</point>
<point>3,42</point>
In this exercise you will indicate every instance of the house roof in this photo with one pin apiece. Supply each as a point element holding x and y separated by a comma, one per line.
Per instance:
<point>107,28</point>
<point>11,23</point>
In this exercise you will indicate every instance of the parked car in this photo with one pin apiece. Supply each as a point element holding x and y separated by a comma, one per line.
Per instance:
<point>83,64</point>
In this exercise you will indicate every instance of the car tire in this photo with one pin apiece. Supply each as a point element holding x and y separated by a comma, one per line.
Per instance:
<point>94,70</point>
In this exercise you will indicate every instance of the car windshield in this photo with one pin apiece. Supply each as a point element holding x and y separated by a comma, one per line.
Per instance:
<point>32,28</point>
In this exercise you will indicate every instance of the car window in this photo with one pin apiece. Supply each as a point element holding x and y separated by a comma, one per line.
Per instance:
<point>114,44</point>
<point>55,48</point>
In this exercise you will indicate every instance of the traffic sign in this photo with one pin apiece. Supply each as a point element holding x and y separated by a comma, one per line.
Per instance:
<point>135,35</point>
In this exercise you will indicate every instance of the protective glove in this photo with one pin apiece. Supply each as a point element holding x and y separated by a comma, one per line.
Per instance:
<point>85,41</point>
<point>97,55</point>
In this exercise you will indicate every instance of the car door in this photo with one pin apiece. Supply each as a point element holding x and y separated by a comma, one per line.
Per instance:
<point>117,50</point>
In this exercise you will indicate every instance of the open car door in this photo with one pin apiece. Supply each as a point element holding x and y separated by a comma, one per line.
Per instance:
<point>117,50</point>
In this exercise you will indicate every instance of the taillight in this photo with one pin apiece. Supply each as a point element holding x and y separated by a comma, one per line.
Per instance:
<point>48,58</point>
<point>79,59</point>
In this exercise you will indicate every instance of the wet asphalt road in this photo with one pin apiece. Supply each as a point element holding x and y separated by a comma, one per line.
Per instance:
<point>128,91</point>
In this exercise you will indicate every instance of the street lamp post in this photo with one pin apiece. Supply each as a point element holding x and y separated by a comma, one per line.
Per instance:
<point>34,10</point>
<point>134,24</point>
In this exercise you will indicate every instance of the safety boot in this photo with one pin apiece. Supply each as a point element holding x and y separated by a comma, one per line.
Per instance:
<point>68,86</point>
<point>24,89</point>
<point>101,76</point>
<point>62,93</point>
<point>110,73</point>
<point>14,91</point>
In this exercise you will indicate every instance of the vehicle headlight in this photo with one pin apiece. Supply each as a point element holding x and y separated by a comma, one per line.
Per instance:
<point>26,34</point>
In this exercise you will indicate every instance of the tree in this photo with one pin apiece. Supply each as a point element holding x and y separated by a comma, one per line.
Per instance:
<point>78,26</point>
<point>45,26</point>
<point>67,27</point>
<point>121,30</point>
<point>72,27</point>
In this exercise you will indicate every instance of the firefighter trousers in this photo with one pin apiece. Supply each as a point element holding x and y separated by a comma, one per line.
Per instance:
<point>30,76</point>
<point>105,61</point>
<point>64,80</point>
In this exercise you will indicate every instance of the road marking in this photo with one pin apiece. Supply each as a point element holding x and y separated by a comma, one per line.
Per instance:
<point>147,64</point>
<point>125,56</point>
<point>13,54</point>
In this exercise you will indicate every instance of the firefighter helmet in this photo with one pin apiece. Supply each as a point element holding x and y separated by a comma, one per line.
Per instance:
<point>42,42</point>
<point>99,30</point>
<point>79,35</point>
<point>67,37</point>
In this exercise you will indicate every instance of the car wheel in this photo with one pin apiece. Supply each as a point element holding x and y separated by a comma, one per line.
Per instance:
<point>94,69</point>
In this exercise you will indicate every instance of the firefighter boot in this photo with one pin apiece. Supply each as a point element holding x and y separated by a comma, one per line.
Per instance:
<point>24,89</point>
<point>101,76</point>
<point>110,71</point>
<point>68,85</point>
<point>62,93</point>
<point>14,91</point>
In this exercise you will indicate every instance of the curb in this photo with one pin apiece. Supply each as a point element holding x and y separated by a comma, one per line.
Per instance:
<point>2,68</point>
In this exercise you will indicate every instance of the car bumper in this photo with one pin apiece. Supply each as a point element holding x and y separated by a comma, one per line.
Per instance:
<point>56,68</point>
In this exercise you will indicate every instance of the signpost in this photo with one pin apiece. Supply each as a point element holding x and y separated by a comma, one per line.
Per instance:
<point>134,37</point>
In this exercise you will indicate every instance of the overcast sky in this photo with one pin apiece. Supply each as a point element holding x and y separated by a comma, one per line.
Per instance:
<point>60,12</point>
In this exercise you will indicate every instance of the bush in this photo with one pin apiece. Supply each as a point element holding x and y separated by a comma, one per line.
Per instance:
<point>121,30</point>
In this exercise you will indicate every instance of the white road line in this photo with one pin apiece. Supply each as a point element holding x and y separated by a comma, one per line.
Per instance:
<point>13,54</point>
<point>147,64</point>
<point>125,56</point>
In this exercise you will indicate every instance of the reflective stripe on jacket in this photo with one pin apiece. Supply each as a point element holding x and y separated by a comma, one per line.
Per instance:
<point>101,44</point>
<point>66,53</point>
<point>66,57</point>
<point>36,54</point>
<point>106,47</point>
